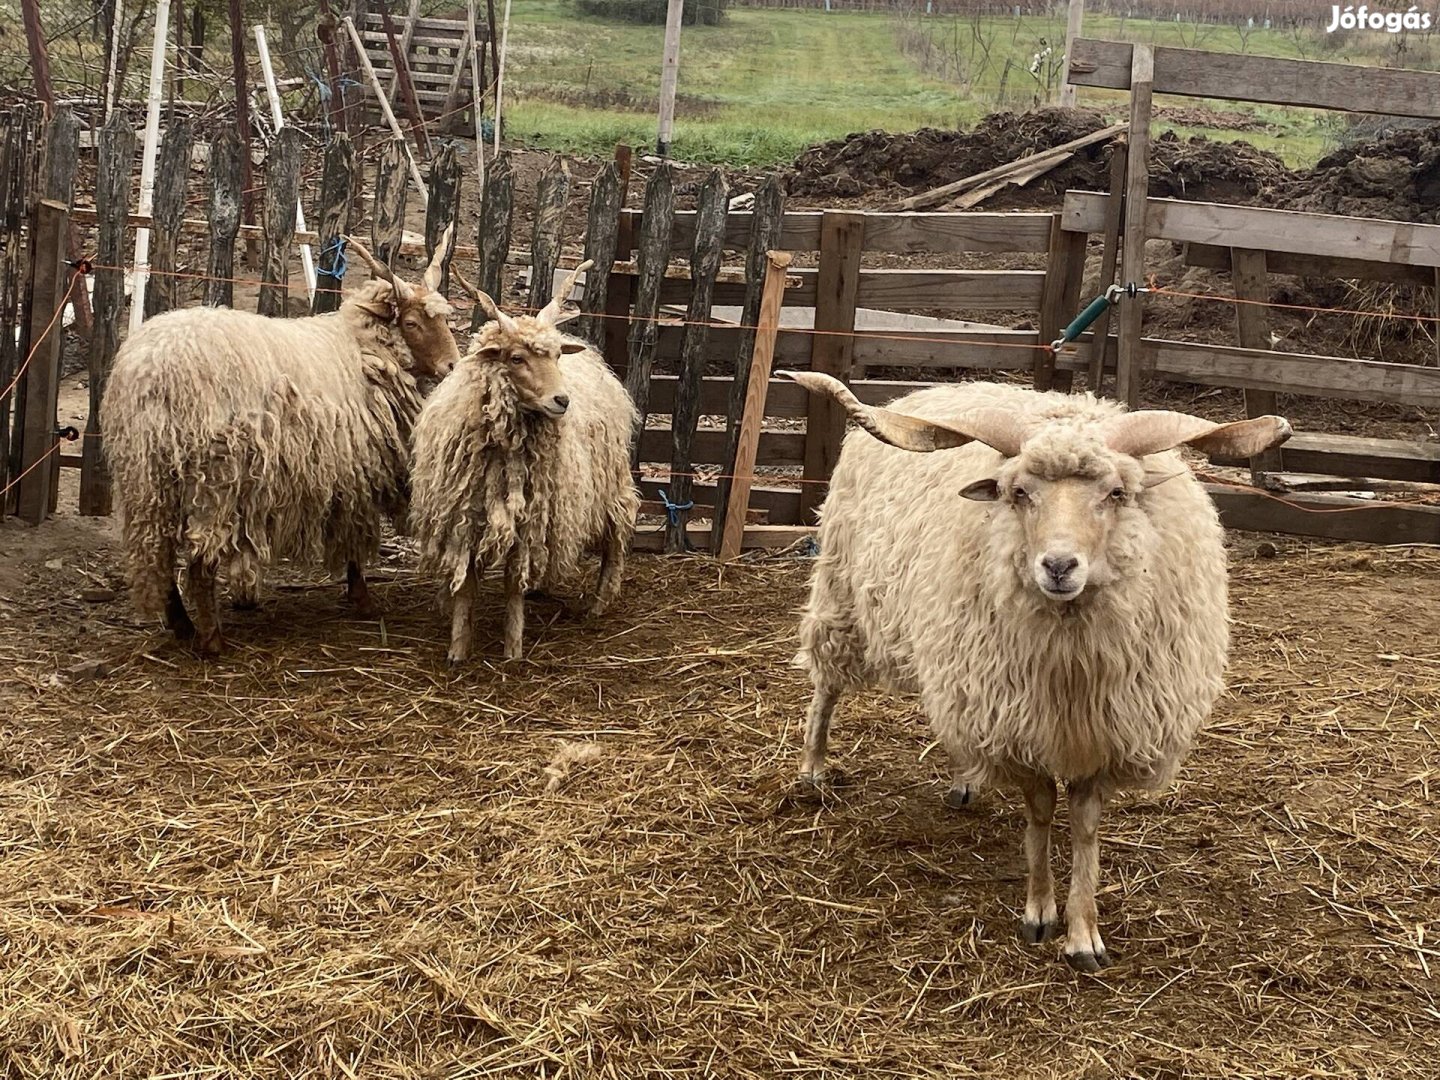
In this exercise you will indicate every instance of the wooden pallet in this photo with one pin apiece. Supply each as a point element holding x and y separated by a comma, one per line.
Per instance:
<point>437,48</point>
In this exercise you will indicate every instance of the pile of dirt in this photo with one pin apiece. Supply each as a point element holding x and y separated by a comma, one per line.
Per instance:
<point>877,164</point>
<point>1397,178</point>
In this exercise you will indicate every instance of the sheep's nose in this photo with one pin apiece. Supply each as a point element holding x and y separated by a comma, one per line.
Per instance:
<point>562,401</point>
<point>1058,566</point>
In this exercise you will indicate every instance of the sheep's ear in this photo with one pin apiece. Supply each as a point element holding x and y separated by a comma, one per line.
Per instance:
<point>381,308</point>
<point>1152,431</point>
<point>982,490</point>
<point>568,348</point>
<point>994,427</point>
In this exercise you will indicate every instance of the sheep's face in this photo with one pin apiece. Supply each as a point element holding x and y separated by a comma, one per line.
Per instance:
<point>423,318</point>
<point>529,353</point>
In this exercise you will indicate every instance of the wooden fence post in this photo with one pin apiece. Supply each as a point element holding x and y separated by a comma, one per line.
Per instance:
<point>42,377</point>
<point>752,413</point>
<point>493,241</point>
<point>225,202</point>
<point>282,191</point>
<point>112,210</point>
<point>767,220</point>
<point>1137,190</point>
<point>387,219</point>
<point>550,196</point>
<point>704,266</point>
<point>842,238</point>
<point>62,159</point>
<point>1114,213</point>
<point>602,239</point>
<point>652,260</point>
<point>620,291</point>
<point>335,202</point>
<point>1250,276</point>
<point>15,174</point>
<point>168,216</point>
<point>442,209</point>
<point>1060,302</point>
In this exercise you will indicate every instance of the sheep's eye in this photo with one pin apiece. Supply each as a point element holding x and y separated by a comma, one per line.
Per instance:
<point>1021,495</point>
<point>517,358</point>
<point>1118,494</point>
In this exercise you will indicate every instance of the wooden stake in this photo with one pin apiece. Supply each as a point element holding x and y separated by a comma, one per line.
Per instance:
<point>669,75</point>
<point>1072,31</point>
<point>617,296</point>
<point>282,182</point>
<point>225,200</point>
<point>1060,302</point>
<point>242,121</point>
<point>1137,191</point>
<point>62,159</point>
<point>335,202</point>
<point>42,377</point>
<point>387,218</point>
<point>147,161</point>
<point>752,418</point>
<point>500,70</point>
<point>394,125</point>
<point>1251,279</point>
<point>477,101</point>
<point>652,259</point>
<point>173,171</point>
<point>551,194</point>
<point>492,243</point>
<point>443,209</point>
<point>39,58</point>
<point>112,64</point>
<point>307,260</point>
<point>601,241</point>
<point>1114,214</point>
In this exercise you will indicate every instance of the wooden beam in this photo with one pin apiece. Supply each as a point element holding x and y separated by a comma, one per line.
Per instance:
<point>1060,302</point>
<point>41,388</point>
<point>1109,260</point>
<point>1262,79</point>
<point>669,75</point>
<point>1329,517</point>
<point>1216,257</point>
<point>1137,187</point>
<point>1252,328</point>
<point>1356,457</point>
<point>404,84</point>
<point>1074,18</point>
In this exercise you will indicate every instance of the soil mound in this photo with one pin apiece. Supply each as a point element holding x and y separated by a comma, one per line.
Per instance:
<point>1397,178</point>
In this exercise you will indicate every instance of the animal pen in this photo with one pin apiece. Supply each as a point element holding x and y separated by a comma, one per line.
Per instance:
<point>330,856</point>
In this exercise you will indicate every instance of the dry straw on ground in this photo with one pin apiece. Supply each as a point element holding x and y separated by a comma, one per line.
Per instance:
<point>327,856</point>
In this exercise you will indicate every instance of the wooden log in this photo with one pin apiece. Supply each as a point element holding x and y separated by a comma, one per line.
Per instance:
<point>442,210</point>
<point>842,238</point>
<point>654,256</point>
<point>1252,327</point>
<point>619,292</point>
<point>336,198</point>
<point>242,119</point>
<point>704,264</point>
<point>282,189</point>
<point>1329,517</point>
<point>48,296</point>
<point>277,116</point>
<point>1356,456</point>
<point>225,200</point>
<point>753,413</point>
<point>168,211</point>
<point>493,242</point>
<point>403,83</point>
<point>12,202</point>
<point>112,196</point>
<point>1109,258</point>
<point>1137,189</point>
<point>387,218</point>
<point>602,240</point>
<point>550,198</point>
<point>766,222</point>
<point>1061,302</point>
<point>62,158</point>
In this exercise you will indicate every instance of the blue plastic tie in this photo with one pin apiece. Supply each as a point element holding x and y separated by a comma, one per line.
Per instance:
<point>672,509</point>
<point>338,265</point>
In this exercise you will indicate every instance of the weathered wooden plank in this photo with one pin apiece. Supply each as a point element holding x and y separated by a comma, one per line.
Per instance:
<point>1214,257</point>
<point>901,290</point>
<point>768,505</point>
<point>112,197</point>
<point>729,526</point>
<point>1330,517</point>
<point>1263,79</point>
<point>62,160</point>
<point>442,211</point>
<point>1252,327</point>
<point>168,213</point>
<point>776,447</point>
<point>620,290</point>
<point>842,236</point>
<point>551,195</point>
<point>388,213</point>
<point>654,256</point>
<point>49,288</point>
<point>1356,457</point>
<point>493,238</point>
<point>602,238</point>
<point>1060,302</point>
<point>12,202</point>
<point>766,224</point>
<point>403,83</point>
<point>1137,186</point>
<point>282,190</point>
<point>337,184</point>
<point>225,200</point>
<point>1109,260</point>
<point>704,265</point>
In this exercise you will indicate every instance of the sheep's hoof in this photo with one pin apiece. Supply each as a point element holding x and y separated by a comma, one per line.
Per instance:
<point>453,662</point>
<point>824,779</point>
<point>209,645</point>
<point>959,797</point>
<point>244,603</point>
<point>1035,933</point>
<point>183,631</point>
<point>1089,962</point>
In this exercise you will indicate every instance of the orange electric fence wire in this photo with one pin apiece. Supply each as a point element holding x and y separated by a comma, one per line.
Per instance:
<point>35,346</point>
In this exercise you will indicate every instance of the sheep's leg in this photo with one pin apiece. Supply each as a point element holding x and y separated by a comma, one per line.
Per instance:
<point>612,568</point>
<point>1084,949</point>
<point>358,592</point>
<point>959,796</point>
<point>817,733</point>
<point>176,618</point>
<point>207,618</point>
<point>514,610</point>
<point>462,604</point>
<point>1041,917</point>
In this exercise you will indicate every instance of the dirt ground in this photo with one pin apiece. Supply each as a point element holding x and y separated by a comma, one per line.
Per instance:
<point>326,855</point>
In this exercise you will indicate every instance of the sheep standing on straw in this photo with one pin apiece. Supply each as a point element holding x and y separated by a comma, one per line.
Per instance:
<point>235,440</point>
<point>522,461</point>
<point>1051,583</point>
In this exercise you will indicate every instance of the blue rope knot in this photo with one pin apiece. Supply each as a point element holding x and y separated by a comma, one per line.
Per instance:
<point>338,265</point>
<point>672,509</point>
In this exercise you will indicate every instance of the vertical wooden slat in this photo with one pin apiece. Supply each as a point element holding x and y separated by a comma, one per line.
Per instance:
<point>550,196</point>
<point>704,265</point>
<point>225,201</point>
<point>602,239</point>
<point>766,221</point>
<point>620,292</point>
<point>62,159</point>
<point>1060,301</point>
<point>112,211</point>
<point>239,78</point>
<point>1251,279</point>
<point>653,258</point>
<point>42,375</point>
<point>752,411</point>
<point>842,238</point>
<point>387,220</point>
<point>1114,215</point>
<point>282,190</point>
<point>168,210</point>
<point>1137,189</point>
<point>493,241</point>
<point>11,206</point>
<point>336,186</point>
<point>443,208</point>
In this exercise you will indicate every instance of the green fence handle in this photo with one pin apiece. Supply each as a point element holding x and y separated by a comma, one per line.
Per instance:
<point>1082,322</point>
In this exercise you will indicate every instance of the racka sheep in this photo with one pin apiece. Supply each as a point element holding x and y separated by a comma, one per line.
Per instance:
<point>522,460</point>
<point>1052,584</point>
<point>235,440</point>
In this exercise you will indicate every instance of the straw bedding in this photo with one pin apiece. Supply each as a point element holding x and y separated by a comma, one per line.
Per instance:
<point>327,856</point>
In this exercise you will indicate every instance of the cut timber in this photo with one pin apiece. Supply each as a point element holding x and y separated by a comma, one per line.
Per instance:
<point>1330,517</point>
<point>1215,257</point>
<point>1352,455</point>
<point>1132,264</point>
<point>1109,260</point>
<point>936,196</point>
<point>1252,326</point>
